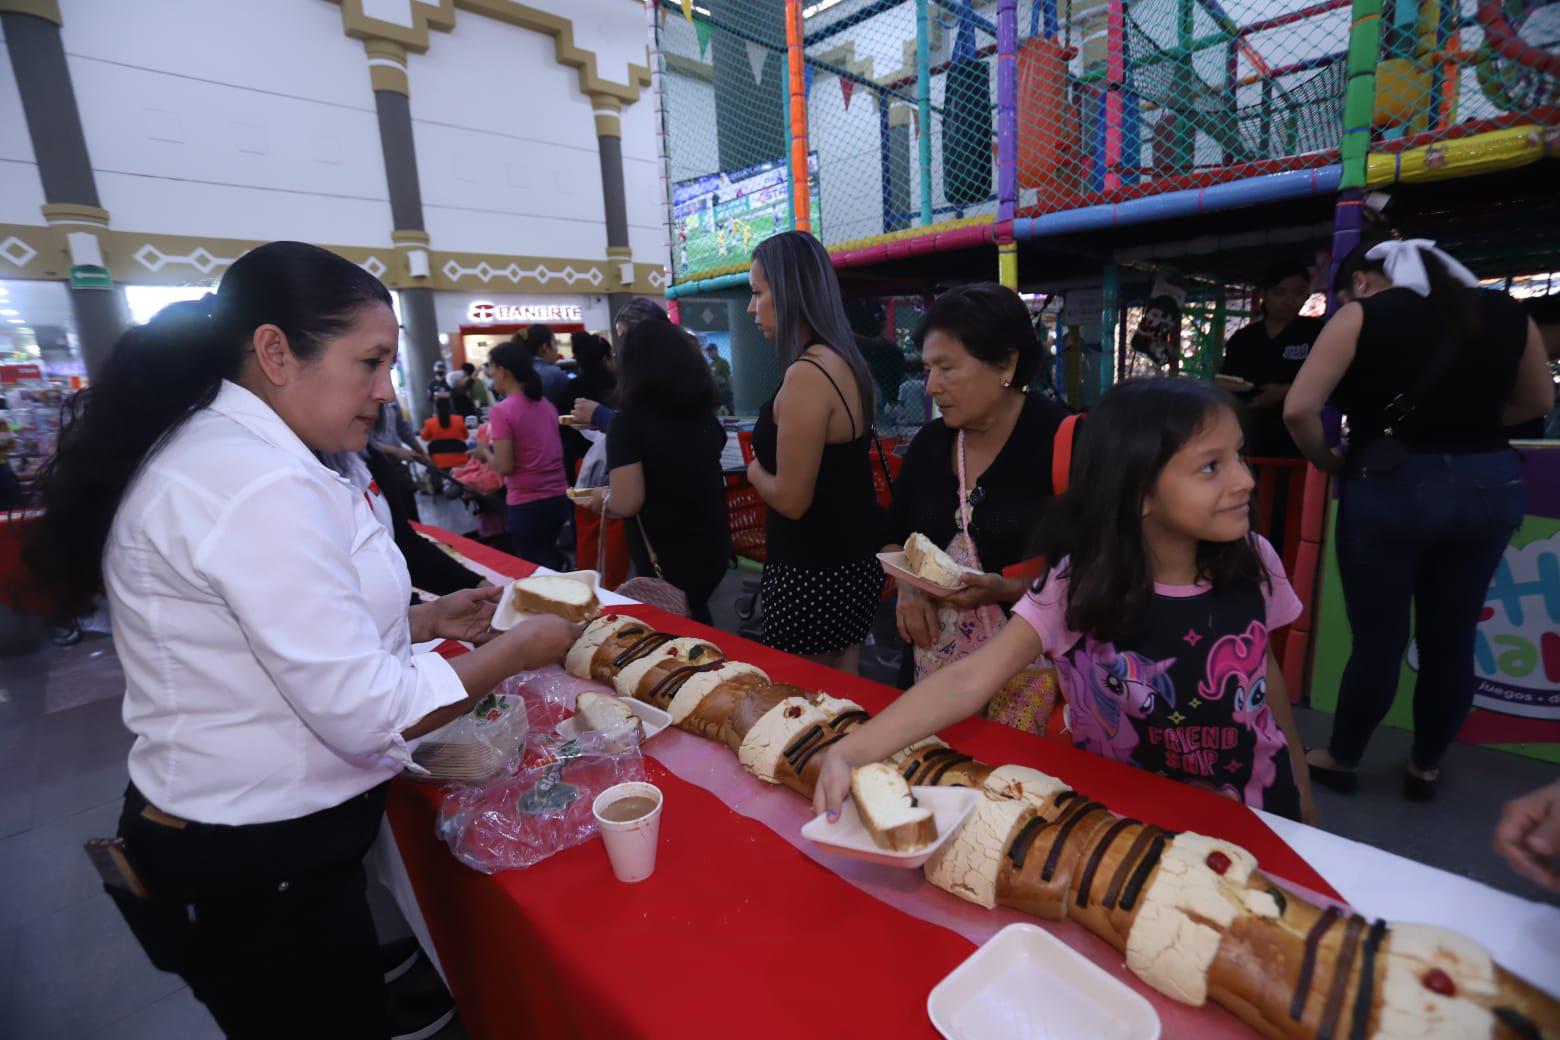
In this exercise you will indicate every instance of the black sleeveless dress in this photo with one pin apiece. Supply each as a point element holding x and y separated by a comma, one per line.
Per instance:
<point>822,582</point>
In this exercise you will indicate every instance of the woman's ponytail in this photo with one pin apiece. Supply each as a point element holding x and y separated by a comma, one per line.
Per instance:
<point>157,376</point>
<point>1454,302</point>
<point>515,358</point>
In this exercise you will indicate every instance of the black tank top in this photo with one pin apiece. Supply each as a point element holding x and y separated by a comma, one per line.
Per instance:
<point>1461,413</point>
<point>842,524</point>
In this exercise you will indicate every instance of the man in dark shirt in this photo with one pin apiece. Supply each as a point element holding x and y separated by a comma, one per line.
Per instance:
<point>720,368</point>
<point>1267,354</point>
<point>884,360</point>
<point>440,383</point>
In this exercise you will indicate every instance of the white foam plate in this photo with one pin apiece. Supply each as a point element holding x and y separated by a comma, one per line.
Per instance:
<point>848,836</point>
<point>897,566</point>
<point>651,718</point>
<point>1024,982</point>
<point>507,617</point>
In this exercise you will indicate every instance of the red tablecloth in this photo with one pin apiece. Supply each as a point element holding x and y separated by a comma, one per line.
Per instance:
<point>736,931</point>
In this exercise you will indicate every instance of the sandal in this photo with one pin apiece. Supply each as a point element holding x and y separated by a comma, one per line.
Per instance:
<point>1343,781</point>
<point>1419,788</point>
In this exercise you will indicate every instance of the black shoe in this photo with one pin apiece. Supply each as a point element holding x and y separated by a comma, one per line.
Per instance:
<point>398,957</point>
<point>1418,789</point>
<point>1343,781</point>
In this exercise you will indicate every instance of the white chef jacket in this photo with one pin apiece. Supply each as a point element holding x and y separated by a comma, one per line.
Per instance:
<point>260,613</point>
<point>352,466</point>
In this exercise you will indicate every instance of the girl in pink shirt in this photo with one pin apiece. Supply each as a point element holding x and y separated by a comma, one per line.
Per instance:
<point>1157,614</point>
<point>527,450</point>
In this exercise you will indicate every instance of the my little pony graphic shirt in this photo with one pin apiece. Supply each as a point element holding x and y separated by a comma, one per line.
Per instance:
<point>1186,696</point>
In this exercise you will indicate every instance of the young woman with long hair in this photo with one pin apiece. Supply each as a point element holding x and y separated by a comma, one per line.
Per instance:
<point>822,582</point>
<point>663,456</point>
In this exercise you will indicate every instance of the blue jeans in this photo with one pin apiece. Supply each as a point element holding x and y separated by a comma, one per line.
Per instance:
<point>534,527</point>
<point>1430,533</point>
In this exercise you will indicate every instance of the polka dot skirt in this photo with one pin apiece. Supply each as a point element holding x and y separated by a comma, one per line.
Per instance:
<point>819,610</point>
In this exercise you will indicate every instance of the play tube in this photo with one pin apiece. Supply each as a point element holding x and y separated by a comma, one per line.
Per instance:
<point>704,285</point>
<point>1464,157</point>
<point>1274,187</point>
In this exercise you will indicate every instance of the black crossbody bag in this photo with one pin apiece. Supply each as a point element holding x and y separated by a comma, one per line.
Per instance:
<point>1387,452</point>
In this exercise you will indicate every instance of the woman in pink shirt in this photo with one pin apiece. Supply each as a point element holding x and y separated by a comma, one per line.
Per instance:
<point>527,452</point>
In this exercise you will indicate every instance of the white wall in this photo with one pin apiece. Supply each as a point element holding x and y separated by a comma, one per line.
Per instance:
<point>506,145</point>
<point>21,192</point>
<point>229,118</point>
<point>613,30</point>
<point>255,119</point>
<point>642,182</point>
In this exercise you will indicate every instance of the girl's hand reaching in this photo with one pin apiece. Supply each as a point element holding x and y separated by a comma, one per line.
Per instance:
<point>833,783</point>
<point>1528,835</point>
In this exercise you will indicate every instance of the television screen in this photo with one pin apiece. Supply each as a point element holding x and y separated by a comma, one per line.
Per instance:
<point>722,216</point>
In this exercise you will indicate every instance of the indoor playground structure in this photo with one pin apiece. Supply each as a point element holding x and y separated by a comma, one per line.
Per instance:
<point>1123,160</point>
<point>913,128</point>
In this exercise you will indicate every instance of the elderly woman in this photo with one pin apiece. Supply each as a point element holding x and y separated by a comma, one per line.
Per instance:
<point>1429,369</point>
<point>976,481</point>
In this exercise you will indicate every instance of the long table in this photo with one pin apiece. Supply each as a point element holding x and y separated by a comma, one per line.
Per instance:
<point>739,929</point>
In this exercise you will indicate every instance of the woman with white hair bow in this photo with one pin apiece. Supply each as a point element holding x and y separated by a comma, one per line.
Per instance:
<point>1429,370</point>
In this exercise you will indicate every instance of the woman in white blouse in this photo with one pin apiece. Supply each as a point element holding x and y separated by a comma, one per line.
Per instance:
<point>260,613</point>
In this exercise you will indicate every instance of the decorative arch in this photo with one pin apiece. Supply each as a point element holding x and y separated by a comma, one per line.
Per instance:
<point>424,16</point>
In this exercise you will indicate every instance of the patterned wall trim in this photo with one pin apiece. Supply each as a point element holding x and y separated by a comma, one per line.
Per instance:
<point>140,258</point>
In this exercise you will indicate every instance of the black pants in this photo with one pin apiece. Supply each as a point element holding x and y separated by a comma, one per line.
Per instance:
<point>268,923</point>
<point>1430,533</point>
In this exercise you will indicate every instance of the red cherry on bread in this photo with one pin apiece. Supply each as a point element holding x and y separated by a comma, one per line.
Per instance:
<point>1218,862</point>
<point>1437,981</point>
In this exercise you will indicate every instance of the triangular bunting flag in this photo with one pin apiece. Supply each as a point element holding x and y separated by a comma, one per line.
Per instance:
<point>703,30</point>
<point>758,54</point>
<point>847,87</point>
<point>687,6</point>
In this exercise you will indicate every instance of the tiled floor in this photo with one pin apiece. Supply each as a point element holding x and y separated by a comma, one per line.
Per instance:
<point>69,968</point>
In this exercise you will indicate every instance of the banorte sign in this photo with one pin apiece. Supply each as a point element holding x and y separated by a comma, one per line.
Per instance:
<point>482,312</point>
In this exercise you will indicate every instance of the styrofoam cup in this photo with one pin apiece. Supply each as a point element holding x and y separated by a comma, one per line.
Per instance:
<point>630,845</point>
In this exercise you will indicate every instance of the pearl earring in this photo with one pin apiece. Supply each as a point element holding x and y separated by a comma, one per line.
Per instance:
<point>1007,384</point>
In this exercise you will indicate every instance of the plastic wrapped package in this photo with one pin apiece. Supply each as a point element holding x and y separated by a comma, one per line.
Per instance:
<point>543,808</point>
<point>548,694</point>
<point>484,743</point>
